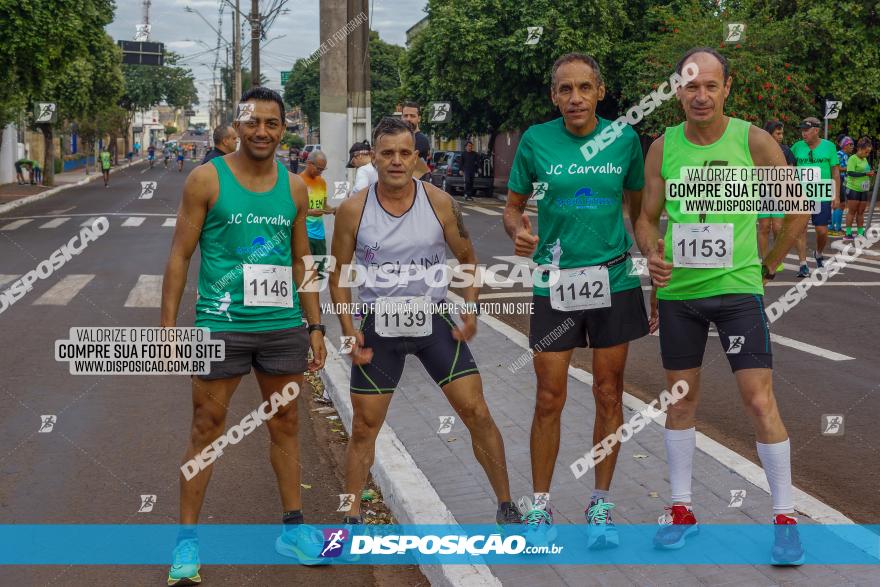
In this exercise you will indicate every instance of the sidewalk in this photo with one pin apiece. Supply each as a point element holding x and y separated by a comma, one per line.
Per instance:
<point>11,192</point>
<point>640,488</point>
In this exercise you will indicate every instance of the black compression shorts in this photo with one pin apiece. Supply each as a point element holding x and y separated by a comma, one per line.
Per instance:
<point>741,323</point>
<point>444,358</point>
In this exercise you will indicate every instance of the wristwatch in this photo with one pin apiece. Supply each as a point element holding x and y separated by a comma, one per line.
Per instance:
<point>765,273</point>
<point>319,327</point>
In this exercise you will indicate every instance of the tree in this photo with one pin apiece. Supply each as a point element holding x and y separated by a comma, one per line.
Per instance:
<point>293,140</point>
<point>473,55</point>
<point>303,89</point>
<point>385,84</point>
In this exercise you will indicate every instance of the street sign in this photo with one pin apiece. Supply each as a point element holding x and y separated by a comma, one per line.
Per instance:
<point>285,75</point>
<point>189,112</point>
<point>142,53</point>
<point>45,112</point>
<point>832,109</point>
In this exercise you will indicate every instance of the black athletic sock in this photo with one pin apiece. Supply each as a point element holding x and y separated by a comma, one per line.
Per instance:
<point>292,517</point>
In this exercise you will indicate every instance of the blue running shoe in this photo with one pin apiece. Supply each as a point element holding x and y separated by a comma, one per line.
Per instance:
<point>538,519</point>
<point>787,549</point>
<point>304,543</point>
<point>602,531</point>
<point>185,564</point>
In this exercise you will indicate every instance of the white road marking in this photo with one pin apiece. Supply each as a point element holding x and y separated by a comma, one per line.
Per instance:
<point>848,265</point>
<point>839,245</point>
<point>91,215</point>
<point>17,224</point>
<point>172,222</point>
<point>808,348</point>
<point>55,223</point>
<point>134,221</point>
<point>62,210</point>
<point>486,211</point>
<point>4,279</point>
<point>65,290</point>
<point>147,292</point>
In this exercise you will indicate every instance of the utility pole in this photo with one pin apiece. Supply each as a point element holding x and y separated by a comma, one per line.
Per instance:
<point>358,58</point>
<point>236,57</point>
<point>255,43</point>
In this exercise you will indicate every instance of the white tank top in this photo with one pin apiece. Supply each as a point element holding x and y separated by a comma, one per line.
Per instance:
<point>389,245</point>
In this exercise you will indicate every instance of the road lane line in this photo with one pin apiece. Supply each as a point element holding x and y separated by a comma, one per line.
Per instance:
<point>55,223</point>
<point>486,211</point>
<point>62,210</point>
<point>17,224</point>
<point>849,265</point>
<point>803,346</point>
<point>4,279</point>
<point>134,221</point>
<point>839,245</point>
<point>147,292</point>
<point>65,290</point>
<point>170,222</point>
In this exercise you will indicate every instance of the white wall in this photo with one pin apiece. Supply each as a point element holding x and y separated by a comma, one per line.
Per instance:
<point>8,154</point>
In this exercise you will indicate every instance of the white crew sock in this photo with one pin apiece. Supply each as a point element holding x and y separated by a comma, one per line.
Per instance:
<point>680,446</point>
<point>776,460</point>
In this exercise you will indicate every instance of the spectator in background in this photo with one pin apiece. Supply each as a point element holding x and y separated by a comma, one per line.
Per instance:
<point>468,169</point>
<point>846,145</point>
<point>858,178</point>
<point>224,143</point>
<point>36,173</point>
<point>19,173</point>
<point>293,155</point>
<point>360,157</point>
<point>410,114</point>
<point>768,222</point>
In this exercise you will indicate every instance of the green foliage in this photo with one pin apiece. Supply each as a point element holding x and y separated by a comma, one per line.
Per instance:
<point>293,140</point>
<point>303,89</point>
<point>170,130</point>
<point>148,85</point>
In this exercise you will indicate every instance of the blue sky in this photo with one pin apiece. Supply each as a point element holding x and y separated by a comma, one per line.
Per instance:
<point>184,32</point>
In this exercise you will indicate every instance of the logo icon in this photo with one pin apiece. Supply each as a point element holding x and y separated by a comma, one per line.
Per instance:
<point>317,267</point>
<point>832,109</point>
<point>539,189</point>
<point>533,34</point>
<point>735,344</point>
<point>832,424</point>
<point>147,503</point>
<point>736,498</point>
<point>340,189</point>
<point>345,501</point>
<point>45,112</point>
<point>446,424</point>
<point>47,423</point>
<point>148,188</point>
<point>736,32</point>
<point>143,32</point>
<point>639,266</point>
<point>245,112</point>
<point>333,542</point>
<point>346,345</point>
<point>440,111</point>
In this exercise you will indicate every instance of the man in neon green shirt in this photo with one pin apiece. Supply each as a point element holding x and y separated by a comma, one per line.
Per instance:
<point>725,289</point>
<point>105,166</point>
<point>597,301</point>
<point>813,151</point>
<point>858,182</point>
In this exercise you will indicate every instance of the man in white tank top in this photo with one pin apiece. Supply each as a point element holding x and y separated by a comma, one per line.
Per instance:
<point>401,226</point>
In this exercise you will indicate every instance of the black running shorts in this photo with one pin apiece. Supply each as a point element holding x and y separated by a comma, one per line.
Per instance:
<point>444,358</point>
<point>274,352</point>
<point>741,323</point>
<point>553,330</point>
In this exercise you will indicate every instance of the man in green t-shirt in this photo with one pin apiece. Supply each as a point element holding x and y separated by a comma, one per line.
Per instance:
<point>105,166</point>
<point>597,299</point>
<point>815,152</point>
<point>707,270</point>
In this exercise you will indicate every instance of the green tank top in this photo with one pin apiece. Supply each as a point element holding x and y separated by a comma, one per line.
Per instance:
<point>744,277</point>
<point>245,279</point>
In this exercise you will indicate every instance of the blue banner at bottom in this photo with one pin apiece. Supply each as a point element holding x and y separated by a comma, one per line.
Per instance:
<point>148,544</point>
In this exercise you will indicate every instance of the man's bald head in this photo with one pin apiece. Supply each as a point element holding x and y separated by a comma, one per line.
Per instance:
<point>316,163</point>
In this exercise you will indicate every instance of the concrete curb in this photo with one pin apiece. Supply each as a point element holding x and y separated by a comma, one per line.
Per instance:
<point>51,192</point>
<point>405,488</point>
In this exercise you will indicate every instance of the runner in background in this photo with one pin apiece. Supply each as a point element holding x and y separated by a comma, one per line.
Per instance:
<point>858,178</point>
<point>813,151</point>
<point>773,222</point>
<point>105,165</point>
<point>411,114</point>
<point>846,149</point>
<point>724,287</point>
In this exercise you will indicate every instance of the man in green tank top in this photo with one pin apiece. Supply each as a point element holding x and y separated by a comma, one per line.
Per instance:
<point>246,213</point>
<point>707,270</point>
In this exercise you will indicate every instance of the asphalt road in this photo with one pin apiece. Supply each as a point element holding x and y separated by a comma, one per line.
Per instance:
<point>117,438</point>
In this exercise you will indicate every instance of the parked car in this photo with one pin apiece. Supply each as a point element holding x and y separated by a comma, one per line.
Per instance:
<point>308,149</point>
<point>447,174</point>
